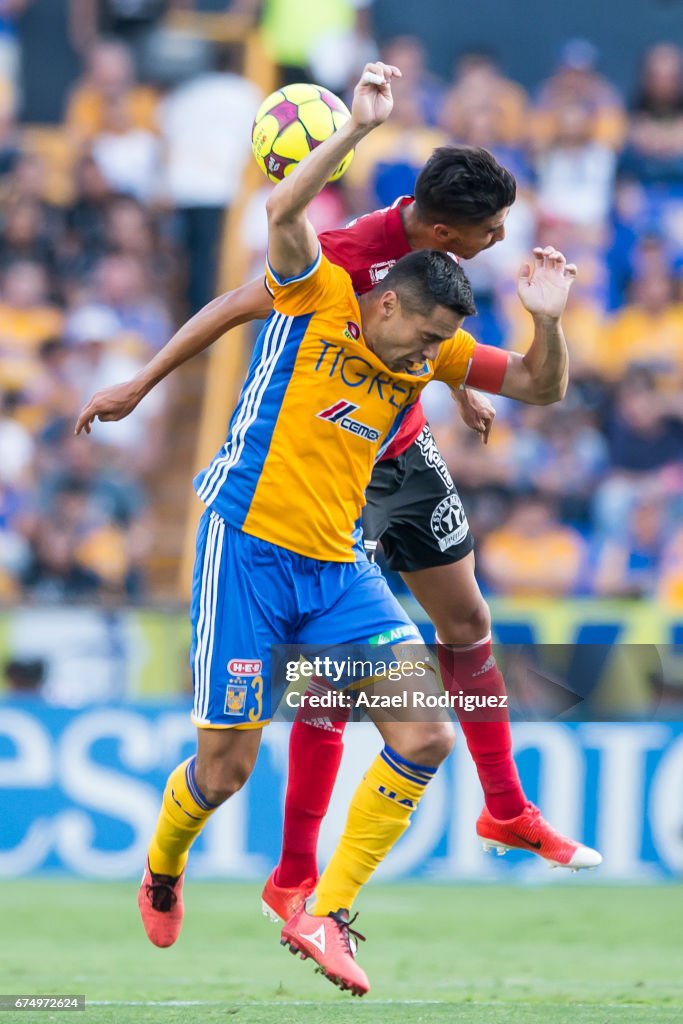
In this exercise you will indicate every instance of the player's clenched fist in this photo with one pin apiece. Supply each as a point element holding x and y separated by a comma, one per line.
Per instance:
<point>544,286</point>
<point>372,99</point>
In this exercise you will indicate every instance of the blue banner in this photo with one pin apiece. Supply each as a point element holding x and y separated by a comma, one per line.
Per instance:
<point>80,792</point>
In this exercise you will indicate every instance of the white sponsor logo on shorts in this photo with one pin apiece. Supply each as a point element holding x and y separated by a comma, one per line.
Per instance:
<point>449,522</point>
<point>432,456</point>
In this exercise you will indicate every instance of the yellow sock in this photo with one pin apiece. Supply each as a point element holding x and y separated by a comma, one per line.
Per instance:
<point>184,812</point>
<point>378,816</point>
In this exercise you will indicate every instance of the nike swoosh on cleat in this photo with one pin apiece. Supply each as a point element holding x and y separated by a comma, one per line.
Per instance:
<point>534,846</point>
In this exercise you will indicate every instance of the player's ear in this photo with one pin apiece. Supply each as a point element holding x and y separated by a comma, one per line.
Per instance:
<point>388,304</point>
<point>442,233</point>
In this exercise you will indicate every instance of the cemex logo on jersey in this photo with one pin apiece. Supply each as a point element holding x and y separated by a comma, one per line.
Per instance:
<point>340,415</point>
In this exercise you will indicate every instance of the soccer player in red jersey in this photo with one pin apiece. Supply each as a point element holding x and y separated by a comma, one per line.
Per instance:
<point>462,198</point>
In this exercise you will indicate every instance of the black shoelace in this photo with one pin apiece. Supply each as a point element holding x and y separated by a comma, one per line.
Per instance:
<point>342,919</point>
<point>161,893</point>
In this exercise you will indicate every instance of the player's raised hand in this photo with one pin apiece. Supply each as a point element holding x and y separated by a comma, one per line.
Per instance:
<point>544,287</point>
<point>114,403</point>
<point>372,99</point>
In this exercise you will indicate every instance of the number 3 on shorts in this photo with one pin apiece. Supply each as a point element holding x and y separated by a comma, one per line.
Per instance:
<point>257,686</point>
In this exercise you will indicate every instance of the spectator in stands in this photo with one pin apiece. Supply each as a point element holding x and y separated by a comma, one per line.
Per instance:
<point>644,430</point>
<point>480,84</point>
<point>654,152</point>
<point>648,331</point>
<point>29,183</point>
<point>116,493</point>
<point>102,354</point>
<point>630,561</point>
<point>27,319</point>
<point>129,157</point>
<point>569,460</point>
<point>109,84</point>
<point>122,285</point>
<point>17,448</point>
<point>533,553</point>
<point>206,128</point>
<point>133,230</point>
<point>85,241</point>
<point>575,177</point>
<point>25,236</point>
<point>408,53</point>
<point>576,82</point>
<point>50,396</point>
<point>75,552</point>
<point>129,21</point>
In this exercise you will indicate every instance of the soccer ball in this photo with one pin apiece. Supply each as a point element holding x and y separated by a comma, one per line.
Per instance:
<point>290,123</point>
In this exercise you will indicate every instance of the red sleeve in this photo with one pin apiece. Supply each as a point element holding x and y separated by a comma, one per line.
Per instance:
<point>368,247</point>
<point>487,369</point>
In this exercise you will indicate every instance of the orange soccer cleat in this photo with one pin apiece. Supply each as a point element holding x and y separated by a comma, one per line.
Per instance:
<point>330,941</point>
<point>279,903</point>
<point>160,900</point>
<point>531,832</point>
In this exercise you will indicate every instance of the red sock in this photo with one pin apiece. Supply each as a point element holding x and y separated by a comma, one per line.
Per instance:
<point>473,670</point>
<point>316,745</point>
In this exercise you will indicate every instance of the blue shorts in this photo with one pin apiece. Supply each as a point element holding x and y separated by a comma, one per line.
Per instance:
<point>248,594</point>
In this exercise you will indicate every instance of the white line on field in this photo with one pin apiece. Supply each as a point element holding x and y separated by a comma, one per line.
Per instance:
<point>260,1002</point>
<point>461,1003</point>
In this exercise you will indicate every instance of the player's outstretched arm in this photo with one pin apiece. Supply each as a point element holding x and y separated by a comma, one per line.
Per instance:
<point>250,302</point>
<point>540,377</point>
<point>292,241</point>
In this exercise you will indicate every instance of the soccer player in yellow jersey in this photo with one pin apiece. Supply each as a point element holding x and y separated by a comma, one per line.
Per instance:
<point>278,557</point>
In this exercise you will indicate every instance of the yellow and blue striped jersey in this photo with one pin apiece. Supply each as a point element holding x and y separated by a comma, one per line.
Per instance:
<point>315,411</point>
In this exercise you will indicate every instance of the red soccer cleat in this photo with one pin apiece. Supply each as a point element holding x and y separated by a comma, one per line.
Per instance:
<point>160,900</point>
<point>530,831</point>
<point>328,941</point>
<point>279,903</point>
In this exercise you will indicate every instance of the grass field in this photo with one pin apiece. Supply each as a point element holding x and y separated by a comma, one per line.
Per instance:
<point>582,954</point>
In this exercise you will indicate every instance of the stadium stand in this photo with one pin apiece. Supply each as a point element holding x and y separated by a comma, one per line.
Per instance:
<point>104,248</point>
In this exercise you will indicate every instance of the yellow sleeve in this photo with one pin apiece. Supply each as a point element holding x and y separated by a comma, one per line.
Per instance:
<point>452,364</point>
<point>320,286</point>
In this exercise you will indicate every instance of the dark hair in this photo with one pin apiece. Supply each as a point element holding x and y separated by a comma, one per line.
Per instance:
<point>462,185</point>
<point>429,278</point>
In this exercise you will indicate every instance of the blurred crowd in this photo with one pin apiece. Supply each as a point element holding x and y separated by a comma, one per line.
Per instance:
<point>110,237</point>
<point>110,233</point>
<point>585,497</point>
